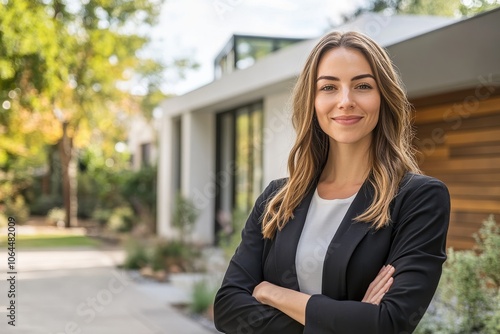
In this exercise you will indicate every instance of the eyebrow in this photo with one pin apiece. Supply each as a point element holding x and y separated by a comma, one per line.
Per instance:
<point>357,77</point>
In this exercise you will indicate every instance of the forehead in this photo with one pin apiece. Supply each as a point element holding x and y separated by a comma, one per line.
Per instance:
<point>343,60</point>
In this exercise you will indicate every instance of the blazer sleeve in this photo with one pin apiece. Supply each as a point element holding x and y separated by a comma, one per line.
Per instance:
<point>235,309</point>
<point>417,252</point>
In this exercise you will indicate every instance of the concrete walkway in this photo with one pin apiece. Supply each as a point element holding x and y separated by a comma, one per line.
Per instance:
<point>74,291</point>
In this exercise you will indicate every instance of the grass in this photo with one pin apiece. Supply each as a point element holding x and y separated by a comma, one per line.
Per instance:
<point>50,240</point>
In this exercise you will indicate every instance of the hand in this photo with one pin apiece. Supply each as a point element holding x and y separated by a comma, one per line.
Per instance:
<point>262,290</point>
<point>379,286</point>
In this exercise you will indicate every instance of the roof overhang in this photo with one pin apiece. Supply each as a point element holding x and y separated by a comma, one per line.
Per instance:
<point>459,56</point>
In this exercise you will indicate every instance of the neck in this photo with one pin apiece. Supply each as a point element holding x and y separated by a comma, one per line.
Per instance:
<point>347,164</point>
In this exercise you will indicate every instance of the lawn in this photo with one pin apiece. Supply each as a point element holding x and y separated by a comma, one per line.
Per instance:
<point>50,240</point>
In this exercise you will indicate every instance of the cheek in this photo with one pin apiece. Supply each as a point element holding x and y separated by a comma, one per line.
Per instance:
<point>373,108</point>
<point>320,104</point>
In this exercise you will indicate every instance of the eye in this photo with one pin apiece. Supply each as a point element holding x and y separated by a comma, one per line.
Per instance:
<point>364,86</point>
<point>327,88</point>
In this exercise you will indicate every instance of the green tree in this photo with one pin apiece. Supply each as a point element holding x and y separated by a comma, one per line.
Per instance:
<point>66,68</point>
<point>27,64</point>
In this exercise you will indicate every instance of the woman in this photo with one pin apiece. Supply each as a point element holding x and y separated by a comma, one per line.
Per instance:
<point>354,240</point>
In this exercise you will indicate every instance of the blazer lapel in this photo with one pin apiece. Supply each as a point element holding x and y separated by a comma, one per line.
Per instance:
<point>286,243</point>
<point>343,244</point>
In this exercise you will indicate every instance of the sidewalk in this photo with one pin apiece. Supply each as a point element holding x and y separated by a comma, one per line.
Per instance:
<point>81,291</point>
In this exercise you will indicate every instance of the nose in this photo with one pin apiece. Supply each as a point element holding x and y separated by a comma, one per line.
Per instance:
<point>346,101</point>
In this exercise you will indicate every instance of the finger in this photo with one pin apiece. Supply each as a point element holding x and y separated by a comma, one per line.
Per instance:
<point>378,297</point>
<point>382,279</point>
<point>377,285</point>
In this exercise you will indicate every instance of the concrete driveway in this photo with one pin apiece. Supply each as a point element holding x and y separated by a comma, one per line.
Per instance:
<point>80,291</point>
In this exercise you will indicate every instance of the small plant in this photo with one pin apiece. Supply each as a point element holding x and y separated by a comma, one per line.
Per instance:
<point>56,216</point>
<point>184,217</point>
<point>173,255</point>
<point>121,219</point>
<point>202,297</point>
<point>136,255</point>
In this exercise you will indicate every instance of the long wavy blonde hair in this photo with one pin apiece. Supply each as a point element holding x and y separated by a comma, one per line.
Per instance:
<point>392,153</point>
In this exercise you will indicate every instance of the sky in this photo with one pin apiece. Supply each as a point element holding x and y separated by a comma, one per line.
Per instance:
<point>198,29</point>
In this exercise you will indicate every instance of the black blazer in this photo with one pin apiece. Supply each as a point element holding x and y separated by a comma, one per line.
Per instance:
<point>414,243</point>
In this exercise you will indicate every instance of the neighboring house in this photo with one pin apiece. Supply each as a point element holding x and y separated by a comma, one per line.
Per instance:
<point>223,143</point>
<point>141,141</point>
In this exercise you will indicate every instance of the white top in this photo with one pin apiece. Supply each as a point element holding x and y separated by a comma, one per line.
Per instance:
<point>323,219</point>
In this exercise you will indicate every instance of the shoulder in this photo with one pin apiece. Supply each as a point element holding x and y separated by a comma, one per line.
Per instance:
<point>412,182</point>
<point>421,191</point>
<point>272,188</point>
<point>277,184</point>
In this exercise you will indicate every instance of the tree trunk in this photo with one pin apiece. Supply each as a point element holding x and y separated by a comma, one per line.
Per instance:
<point>69,180</point>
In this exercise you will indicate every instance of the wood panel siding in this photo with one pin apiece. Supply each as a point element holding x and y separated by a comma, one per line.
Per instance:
<point>458,138</point>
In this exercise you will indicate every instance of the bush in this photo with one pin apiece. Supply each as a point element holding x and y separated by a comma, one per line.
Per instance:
<point>160,254</point>
<point>101,216</point>
<point>121,219</point>
<point>468,297</point>
<point>184,216</point>
<point>42,205</point>
<point>139,189</point>
<point>173,255</point>
<point>17,208</point>
<point>203,297</point>
<point>56,216</point>
<point>136,256</point>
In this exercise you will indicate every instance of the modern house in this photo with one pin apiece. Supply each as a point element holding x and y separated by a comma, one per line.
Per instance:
<point>221,144</point>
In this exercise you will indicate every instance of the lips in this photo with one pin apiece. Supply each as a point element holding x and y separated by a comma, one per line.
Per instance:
<point>347,119</point>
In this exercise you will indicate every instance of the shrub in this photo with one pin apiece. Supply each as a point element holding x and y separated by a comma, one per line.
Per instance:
<point>202,297</point>
<point>136,256</point>
<point>42,205</point>
<point>56,215</point>
<point>184,216</point>
<point>17,208</point>
<point>139,189</point>
<point>101,216</point>
<point>121,219</point>
<point>468,297</point>
<point>167,254</point>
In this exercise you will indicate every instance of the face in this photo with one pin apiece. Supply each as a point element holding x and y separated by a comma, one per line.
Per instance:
<point>347,99</point>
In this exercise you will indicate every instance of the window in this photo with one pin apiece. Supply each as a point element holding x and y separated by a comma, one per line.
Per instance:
<point>239,161</point>
<point>242,51</point>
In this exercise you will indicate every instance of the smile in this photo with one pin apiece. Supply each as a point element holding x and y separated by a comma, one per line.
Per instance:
<point>347,120</point>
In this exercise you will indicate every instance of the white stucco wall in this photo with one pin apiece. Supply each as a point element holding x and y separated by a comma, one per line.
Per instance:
<point>198,170</point>
<point>165,172</point>
<point>278,135</point>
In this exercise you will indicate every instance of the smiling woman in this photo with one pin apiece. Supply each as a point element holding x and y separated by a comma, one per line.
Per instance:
<point>347,100</point>
<point>354,240</point>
